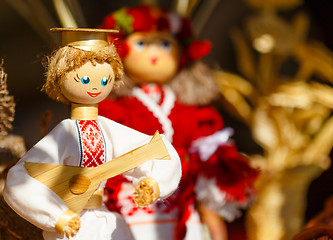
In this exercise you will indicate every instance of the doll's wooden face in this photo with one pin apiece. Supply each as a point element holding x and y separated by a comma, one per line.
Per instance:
<point>152,58</point>
<point>88,84</point>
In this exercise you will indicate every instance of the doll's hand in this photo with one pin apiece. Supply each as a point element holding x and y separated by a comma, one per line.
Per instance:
<point>146,192</point>
<point>69,224</point>
<point>72,227</point>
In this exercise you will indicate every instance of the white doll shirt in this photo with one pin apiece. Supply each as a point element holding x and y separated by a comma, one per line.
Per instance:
<point>42,207</point>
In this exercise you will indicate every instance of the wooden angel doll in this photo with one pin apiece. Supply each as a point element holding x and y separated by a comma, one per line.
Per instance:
<point>167,88</point>
<point>82,72</point>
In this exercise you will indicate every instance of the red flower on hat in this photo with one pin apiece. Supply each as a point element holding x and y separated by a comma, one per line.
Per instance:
<point>163,24</point>
<point>146,18</point>
<point>109,22</point>
<point>121,47</point>
<point>142,18</point>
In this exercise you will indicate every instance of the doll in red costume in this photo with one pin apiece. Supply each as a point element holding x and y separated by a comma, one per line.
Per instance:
<point>167,88</point>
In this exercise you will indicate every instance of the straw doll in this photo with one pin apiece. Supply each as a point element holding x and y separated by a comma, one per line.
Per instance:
<point>83,73</point>
<point>166,87</point>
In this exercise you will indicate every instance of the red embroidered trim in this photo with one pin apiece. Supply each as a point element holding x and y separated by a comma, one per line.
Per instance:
<point>92,143</point>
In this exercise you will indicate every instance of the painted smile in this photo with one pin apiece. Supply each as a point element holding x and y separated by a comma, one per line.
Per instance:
<point>93,94</point>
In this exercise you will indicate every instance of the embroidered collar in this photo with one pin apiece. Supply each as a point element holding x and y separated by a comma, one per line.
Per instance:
<point>92,143</point>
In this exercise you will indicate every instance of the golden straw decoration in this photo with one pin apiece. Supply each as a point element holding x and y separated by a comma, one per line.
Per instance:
<point>284,94</point>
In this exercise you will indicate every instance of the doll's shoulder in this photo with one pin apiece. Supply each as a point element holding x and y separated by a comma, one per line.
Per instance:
<point>60,137</point>
<point>64,125</point>
<point>106,121</point>
<point>122,137</point>
<point>113,126</point>
<point>62,129</point>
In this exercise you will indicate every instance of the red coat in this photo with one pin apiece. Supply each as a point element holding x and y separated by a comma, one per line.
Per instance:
<point>233,175</point>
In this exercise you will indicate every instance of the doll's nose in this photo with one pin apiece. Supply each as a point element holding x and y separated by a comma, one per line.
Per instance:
<point>153,48</point>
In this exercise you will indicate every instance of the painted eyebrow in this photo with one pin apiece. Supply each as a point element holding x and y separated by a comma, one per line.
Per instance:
<point>77,78</point>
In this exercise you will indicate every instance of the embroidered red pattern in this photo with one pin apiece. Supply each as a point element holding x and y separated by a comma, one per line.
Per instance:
<point>92,143</point>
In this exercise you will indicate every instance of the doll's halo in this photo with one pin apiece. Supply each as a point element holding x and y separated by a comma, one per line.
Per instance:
<point>88,39</point>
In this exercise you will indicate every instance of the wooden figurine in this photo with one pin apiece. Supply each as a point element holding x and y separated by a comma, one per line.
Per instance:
<point>62,173</point>
<point>166,85</point>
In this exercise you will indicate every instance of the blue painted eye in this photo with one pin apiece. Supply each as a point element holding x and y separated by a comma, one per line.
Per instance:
<point>85,80</point>
<point>104,81</point>
<point>139,45</point>
<point>166,45</point>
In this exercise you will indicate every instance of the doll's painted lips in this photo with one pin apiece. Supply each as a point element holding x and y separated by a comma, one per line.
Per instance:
<point>93,94</point>
<point>154,60</point>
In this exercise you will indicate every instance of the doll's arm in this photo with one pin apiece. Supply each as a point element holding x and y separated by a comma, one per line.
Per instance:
<point>31,199</point>
<point>166,173</point>
<point>160,177</point>
<point>28,197</point>
<point>211,196</point>
<point>225,182</point>
<point>216,225</point>
<point>146,192</point>
<point>68,224</point>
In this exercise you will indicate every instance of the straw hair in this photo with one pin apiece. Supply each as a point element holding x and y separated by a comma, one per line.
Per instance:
<point>67,59</point>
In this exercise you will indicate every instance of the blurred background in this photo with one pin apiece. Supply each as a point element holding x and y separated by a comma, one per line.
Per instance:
<point>25,42</point>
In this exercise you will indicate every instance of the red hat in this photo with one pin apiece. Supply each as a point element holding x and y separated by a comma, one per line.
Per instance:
<point>146,18</point>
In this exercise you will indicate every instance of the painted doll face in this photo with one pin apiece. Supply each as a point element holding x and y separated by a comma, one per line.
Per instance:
<point>88,84</point>
<point>152,58</point>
